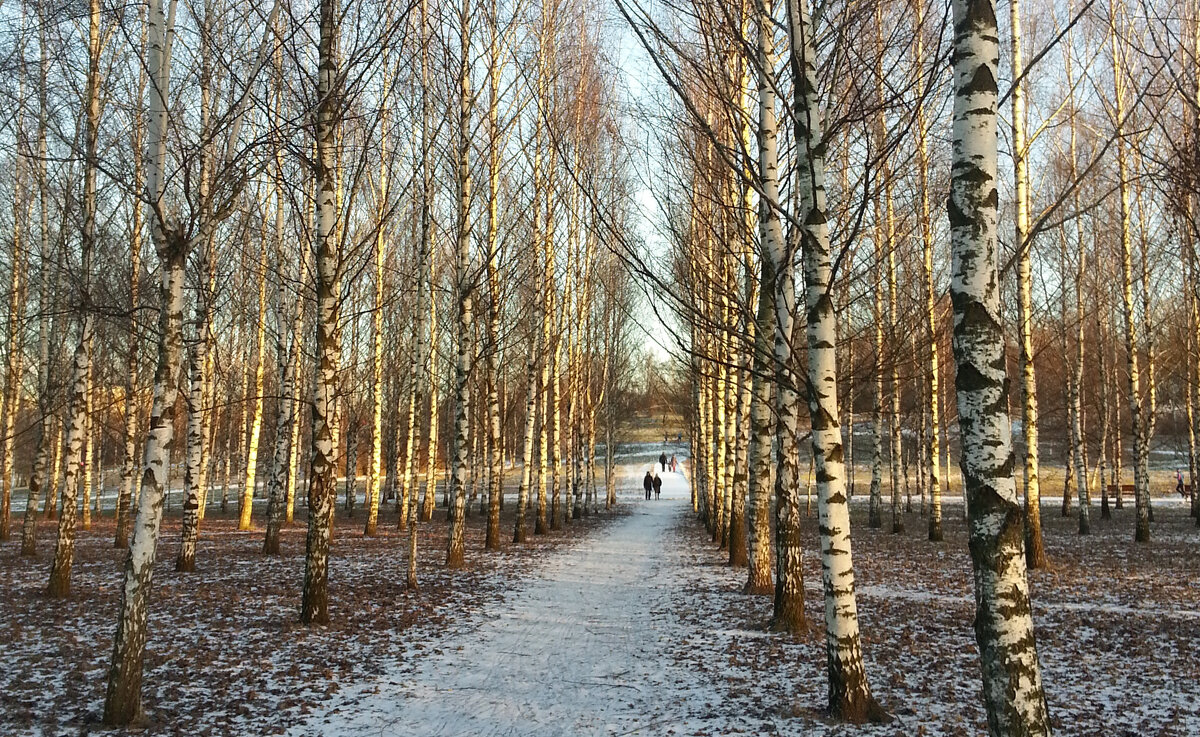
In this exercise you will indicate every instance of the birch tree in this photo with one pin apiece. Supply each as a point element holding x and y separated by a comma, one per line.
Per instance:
<point>1012,687</point>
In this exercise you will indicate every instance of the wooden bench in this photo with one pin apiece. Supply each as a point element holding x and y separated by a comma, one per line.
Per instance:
<point>1128,489</point>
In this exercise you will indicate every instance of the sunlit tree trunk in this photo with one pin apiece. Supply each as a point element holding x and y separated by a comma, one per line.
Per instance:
<point>382,211</point>
<point>758,579</point>
<point>431,441</point>
<point>464,293</point>
<point>11,401</point>
<point>60,574</point>
<point>933,382</point>
<point>256,398</point>
<point>321,481</point>
<point>1138,423</point>
<point>1034,550</point>
<point>849,694</point>
<point>1012,685</point>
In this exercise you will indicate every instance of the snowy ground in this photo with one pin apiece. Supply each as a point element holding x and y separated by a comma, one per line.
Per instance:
<point>582,649</point>
<point>226,654</point>
<point>629,625</point>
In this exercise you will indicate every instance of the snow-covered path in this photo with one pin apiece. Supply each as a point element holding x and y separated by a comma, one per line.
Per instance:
<point>576,650</point>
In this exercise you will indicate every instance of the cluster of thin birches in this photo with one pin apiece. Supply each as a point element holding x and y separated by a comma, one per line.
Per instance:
<point>332,151</point>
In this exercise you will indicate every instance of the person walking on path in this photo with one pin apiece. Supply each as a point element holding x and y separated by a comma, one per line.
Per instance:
<point>648,483</point>
<point>662,461</point>
<point>657,486</point>
<point>673,463</point>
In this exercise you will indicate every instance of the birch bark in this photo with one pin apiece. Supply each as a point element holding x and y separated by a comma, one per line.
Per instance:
<point>1012,684</point>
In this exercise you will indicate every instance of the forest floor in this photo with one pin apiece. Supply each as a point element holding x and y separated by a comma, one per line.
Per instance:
<point>227,654</point>
<point>635,626</point>
<point>1116,624</point>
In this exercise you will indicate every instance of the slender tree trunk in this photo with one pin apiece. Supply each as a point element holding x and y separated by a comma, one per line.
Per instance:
<point>1075,384</point>
<point>256,406</point>
<point>280,465</point>
<point>128,470</point>
<point>495,454</point>
<point>431,442</point>
<point>10,403</point>
<point>60,574</point>
<point>933,383</point>
<point>1035,552</point>
<point>758,579</point>
<point>286,348</point>
<point>464,294</point>
<point>321,482</point>
<point>1138,424</point>
<point>875,513</point>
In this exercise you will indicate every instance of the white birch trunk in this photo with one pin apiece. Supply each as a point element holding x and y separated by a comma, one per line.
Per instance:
<point>463,291</point>
<point>849,694</point>
<point>1012,684</point>
<point>1035,553</point>
<point>321,481</point>
<point>758,579</point>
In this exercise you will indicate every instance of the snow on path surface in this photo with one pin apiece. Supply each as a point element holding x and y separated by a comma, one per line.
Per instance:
<point>579,649</point>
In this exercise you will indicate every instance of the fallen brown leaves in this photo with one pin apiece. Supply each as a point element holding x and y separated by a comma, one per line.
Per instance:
<point>227,654</point>
<point>1116,625</point>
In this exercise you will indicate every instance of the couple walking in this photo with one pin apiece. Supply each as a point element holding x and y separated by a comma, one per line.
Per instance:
<point>662,461</point>
<point>652,483</point>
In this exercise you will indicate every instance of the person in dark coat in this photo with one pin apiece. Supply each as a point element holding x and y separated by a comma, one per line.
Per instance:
<point>657,486</point>
<point>662,461</point>
<point>648,482</point>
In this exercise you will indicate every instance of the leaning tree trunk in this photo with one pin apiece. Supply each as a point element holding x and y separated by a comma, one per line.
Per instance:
<point>123,699</point>
<point>60,574</point>
<point>1012,687</point>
